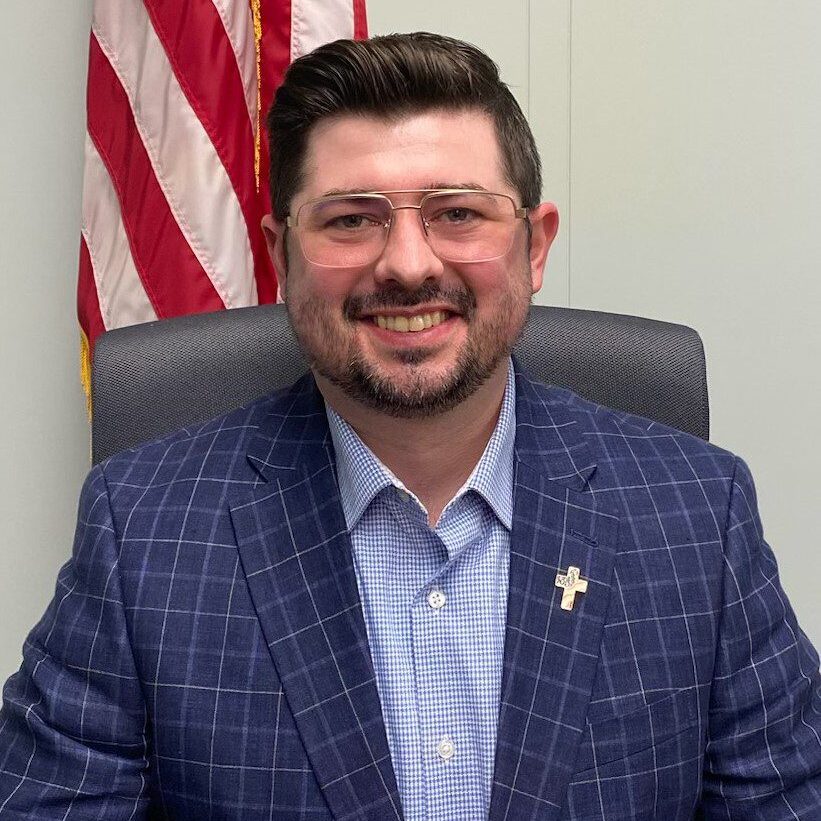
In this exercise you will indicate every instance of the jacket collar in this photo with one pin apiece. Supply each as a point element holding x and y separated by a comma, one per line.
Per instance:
<point>549,436</point>
<point>292,430</point>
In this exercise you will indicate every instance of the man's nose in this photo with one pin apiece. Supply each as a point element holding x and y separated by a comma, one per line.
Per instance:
<point>407,257</point>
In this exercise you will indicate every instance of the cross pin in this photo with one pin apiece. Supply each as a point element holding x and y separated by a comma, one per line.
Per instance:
<point>571,584</point>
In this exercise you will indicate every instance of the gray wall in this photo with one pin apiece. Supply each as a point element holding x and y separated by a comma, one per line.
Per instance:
<point>44,440</point>
<point>679,141</point>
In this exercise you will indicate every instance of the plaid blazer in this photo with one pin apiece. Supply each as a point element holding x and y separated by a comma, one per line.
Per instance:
<point>205,654</point>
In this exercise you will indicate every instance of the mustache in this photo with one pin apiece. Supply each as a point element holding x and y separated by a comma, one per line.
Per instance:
<point>459,301</point>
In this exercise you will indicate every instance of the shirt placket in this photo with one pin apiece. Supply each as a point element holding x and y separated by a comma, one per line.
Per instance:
<point>449,757</point>
<point>442,736</point>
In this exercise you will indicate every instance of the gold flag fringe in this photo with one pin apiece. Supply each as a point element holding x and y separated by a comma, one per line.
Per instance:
<point>257,14</point>
<point>85,370</point>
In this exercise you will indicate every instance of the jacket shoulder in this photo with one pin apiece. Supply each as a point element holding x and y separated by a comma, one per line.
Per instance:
<point>636,449</point>
<point>211,449</point>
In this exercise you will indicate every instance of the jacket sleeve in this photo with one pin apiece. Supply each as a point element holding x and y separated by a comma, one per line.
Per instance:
<point>763,756</point>
<point>73,726</point>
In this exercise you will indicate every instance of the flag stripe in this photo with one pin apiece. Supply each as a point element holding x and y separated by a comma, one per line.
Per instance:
<point>239,26</point>
<point>183,157</point>
<point>88,305</point>
<point>360,20</point>
<point>171,273</point>
<point>122,297</point>
<point>276,46</point>
<point>314,22</point>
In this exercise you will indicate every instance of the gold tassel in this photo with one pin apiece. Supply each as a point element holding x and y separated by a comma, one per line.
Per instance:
<point>85,370</point>
<point>257,14</point>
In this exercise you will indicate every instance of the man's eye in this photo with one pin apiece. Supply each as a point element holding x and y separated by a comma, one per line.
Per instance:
<point>456,216</point>
<point>352,221</point>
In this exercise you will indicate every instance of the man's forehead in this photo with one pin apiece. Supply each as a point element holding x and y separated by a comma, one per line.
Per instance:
<point>429,149</point>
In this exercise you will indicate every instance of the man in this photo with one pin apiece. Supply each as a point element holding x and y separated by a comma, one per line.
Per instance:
<point>417,583</point>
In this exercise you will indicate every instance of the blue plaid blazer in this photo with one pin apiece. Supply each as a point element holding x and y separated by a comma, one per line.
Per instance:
<point>205,655</point>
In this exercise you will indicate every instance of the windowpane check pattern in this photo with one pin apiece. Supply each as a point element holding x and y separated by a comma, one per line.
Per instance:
<point>434,602</point>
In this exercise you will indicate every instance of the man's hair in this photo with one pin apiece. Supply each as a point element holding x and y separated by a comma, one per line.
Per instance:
<point>394,76</point>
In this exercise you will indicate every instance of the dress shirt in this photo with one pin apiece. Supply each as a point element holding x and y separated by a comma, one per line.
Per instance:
<point>434,602</point>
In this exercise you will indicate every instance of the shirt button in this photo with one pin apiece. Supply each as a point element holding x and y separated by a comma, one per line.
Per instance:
<point>446,749</point>
<point>437,599</point>
<point>403,495</point>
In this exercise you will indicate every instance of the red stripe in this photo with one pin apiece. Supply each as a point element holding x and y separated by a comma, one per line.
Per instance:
<point>360,20</point>
<point>88,303</point>
<point>203,59</point>
<point>173,278</point>
<point>276,56</point>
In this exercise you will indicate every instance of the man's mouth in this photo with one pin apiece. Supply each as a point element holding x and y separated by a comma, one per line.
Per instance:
<point>412,323</point>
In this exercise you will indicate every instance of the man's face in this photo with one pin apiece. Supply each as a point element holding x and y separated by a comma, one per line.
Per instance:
<point>336,312</point>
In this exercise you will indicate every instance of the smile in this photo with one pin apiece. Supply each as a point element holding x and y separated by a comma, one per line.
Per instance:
<point>411,324</point>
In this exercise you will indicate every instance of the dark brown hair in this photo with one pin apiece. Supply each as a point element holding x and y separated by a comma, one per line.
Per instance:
<point>394,76</point>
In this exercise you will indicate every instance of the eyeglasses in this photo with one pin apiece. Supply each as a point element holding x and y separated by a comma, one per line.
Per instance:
<point>461,225</point>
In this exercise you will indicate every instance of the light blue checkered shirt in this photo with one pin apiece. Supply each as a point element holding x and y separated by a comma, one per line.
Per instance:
<point>435,607</point>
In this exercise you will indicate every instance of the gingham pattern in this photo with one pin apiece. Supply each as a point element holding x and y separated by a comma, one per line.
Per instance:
<point>205,655</point>
<point>438,669</point>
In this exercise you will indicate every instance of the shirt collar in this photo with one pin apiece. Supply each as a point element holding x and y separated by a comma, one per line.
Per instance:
<point>362,476</point>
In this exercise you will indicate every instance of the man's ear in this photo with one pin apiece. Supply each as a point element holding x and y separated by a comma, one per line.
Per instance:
<point>275,240</point>
<point>544,223</point>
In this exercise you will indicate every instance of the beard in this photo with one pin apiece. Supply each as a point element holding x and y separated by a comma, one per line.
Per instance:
<point>420,393</point>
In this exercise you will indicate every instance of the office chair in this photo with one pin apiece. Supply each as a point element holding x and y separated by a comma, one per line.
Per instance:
<point>153,378</point>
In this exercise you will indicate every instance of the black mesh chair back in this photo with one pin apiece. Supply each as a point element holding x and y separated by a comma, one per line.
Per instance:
<point>157,377</point>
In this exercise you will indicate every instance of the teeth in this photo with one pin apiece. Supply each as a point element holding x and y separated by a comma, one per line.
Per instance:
<point>404,324</point>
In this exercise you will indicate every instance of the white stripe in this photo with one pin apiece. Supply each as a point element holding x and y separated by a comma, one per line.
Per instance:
<point>239,26</point>
<point>120,290</point>
<point>315,22</point>
<point>188,169</point>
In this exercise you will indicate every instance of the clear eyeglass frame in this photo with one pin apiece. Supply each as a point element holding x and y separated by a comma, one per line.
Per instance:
<point>296,222</point>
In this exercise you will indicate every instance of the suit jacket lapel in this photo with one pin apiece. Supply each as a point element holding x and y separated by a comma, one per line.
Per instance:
<point>551,655</point>
<point>297,557</point>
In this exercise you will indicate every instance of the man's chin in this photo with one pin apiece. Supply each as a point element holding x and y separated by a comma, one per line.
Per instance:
<point>417,393</point>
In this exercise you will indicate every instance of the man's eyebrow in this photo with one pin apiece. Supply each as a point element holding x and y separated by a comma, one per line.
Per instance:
<point>470,186</point>
<point>467,186</point>
<point>339,192</point>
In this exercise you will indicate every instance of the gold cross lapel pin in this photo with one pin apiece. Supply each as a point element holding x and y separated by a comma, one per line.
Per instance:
<point>570,583</point>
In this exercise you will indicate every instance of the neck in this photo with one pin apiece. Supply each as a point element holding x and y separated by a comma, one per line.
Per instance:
<point>432,456</point>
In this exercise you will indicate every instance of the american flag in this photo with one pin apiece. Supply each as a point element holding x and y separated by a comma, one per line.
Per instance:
<point>176,160</point>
